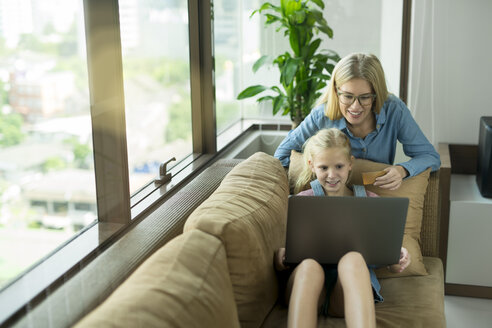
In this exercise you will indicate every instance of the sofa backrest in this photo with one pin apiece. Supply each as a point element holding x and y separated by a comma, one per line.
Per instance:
<point>248,214</point>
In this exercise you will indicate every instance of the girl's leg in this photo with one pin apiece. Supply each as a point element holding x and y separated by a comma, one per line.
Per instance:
<point>352,295</point>
<point>305,294</point>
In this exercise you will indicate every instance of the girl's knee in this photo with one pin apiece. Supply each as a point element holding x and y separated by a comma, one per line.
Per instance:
<point>310,269</point>
<point>352,262</point>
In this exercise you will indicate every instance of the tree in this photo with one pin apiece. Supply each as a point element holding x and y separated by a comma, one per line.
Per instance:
<point>11,129</point>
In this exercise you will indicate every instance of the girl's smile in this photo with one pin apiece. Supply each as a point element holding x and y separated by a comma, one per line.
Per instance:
<point>332,168</point>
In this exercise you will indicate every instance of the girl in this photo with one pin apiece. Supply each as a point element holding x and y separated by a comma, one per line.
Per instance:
<point>358,103</point>
<point>348,289</point>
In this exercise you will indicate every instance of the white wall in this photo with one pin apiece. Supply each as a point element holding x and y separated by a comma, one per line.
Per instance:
<point>390,55</point>
<point>450,83</point>
<point>358,26</point>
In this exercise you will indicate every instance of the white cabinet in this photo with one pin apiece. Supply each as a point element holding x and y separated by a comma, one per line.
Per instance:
<point>469,254</point>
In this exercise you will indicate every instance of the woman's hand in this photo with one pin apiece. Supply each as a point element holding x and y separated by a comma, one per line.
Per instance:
<point>393,177</point>
<point>279,259</point>
<point>403,263</point>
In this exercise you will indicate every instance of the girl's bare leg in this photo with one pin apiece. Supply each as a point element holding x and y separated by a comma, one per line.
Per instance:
<point>305,293</point>
<point>352,295</point>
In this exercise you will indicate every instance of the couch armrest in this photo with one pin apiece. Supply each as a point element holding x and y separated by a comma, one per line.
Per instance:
<point>436,205</point>
<point>429,234</point>
<point>445,187</point>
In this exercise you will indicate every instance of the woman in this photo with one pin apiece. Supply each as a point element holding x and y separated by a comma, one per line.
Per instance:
<point>358,103</point>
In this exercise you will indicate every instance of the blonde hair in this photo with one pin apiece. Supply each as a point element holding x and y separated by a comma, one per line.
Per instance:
<point>355,66</point>
<point>323,139</point>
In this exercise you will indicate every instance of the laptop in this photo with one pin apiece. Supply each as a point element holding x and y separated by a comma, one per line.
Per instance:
<point>325,228</point>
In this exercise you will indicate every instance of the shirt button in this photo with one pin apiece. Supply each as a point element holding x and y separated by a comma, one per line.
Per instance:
<point>364,150</point>
<point>378,126</point>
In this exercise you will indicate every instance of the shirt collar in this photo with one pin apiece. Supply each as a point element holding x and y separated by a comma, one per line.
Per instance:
<point>380,119</point>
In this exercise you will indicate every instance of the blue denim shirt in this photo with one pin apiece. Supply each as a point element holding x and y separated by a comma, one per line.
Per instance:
<point>394,122</point>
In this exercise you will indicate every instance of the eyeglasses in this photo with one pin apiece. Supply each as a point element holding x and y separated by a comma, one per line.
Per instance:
<point>348,98</point>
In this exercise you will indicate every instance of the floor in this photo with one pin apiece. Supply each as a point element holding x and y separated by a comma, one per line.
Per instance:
<point>468,312</point>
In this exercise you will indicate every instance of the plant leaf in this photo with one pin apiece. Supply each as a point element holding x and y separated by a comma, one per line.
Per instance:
<point>266,5</point>
<point>265,98</point>
<point>260,62</point>
<point>277,103</point>
<point>272,19</point>
<point>289,70</point>
<point>286,110</point>
<point>316,14</point>
<point>294,40</point>
<point>313,47</point>
<point>327,30</point>
<point>251,91</point>
<point>283,6</point>
<point>292,6</point>
<point>320,3</point>
<point>277,89</point>
<point>300,16</point>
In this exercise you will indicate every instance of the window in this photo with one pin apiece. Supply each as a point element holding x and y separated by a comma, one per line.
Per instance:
<point>46,160</point>
<point>239,40</point>
<point>156,71</point>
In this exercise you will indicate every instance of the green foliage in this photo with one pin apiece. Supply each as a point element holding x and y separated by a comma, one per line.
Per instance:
<point>166,71</point>
<point>306,69</point>
<point>53,164</point>
<point>32,43</point>
<point>11,129</point>
<point>4,94</point>
<point>227,113</point>
<point>34,225</point>
<point>180,121</point>
<point>81,152</point>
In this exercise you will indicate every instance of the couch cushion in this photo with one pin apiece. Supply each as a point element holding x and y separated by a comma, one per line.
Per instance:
<point>184,284</point>
<point>248,213</point>
<point>408,302</point>
<point>418,301</point>
<point>413,188</point>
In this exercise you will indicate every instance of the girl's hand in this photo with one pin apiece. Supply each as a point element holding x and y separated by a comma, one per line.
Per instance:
<point>403,263</point>
<point>279,259</point>
<point>393,177</point>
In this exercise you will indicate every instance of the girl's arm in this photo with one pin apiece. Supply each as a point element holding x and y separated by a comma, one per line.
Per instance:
<point>279,259</point>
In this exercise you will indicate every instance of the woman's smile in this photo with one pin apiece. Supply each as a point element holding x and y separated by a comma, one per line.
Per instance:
<point>356,114</point>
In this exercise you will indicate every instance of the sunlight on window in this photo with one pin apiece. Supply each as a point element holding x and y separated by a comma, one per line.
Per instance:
<point>236,42</point>
<point>47,182</point>
<point>156,70</point>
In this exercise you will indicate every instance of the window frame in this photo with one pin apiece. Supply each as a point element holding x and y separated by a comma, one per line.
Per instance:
<point>118,211</point>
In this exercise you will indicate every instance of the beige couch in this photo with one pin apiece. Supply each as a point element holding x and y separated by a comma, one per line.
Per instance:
<point>219,272</point>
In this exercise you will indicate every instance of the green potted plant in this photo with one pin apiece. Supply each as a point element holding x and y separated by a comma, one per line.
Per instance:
<point>305,70</point>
